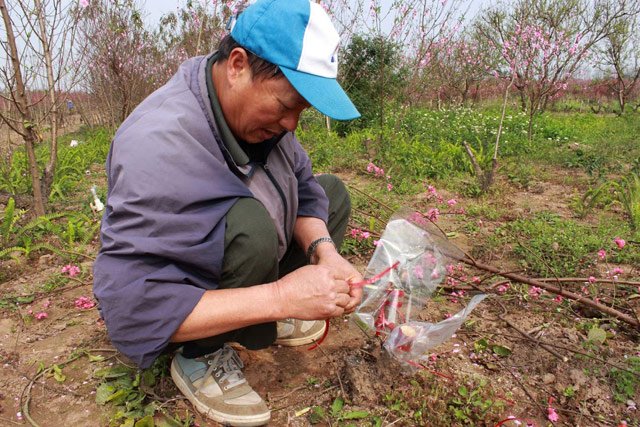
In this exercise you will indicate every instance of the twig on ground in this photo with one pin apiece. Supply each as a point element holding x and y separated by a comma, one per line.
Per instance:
<point>284,396</point>
<point>11,421</point>
<point>586,279</point>
<point>541,259</point>
<point>344,395</point>
<point>26,391</point>
<point>37,295</point>
<point>452,251</point>
<point>326,390</point>
<point>361,212</point>
<point>517,380</point>
<point>369,196</point>
<point>529,337</point>
<point>562,347</point>
<point>92,258</point>
<point>558,291</point>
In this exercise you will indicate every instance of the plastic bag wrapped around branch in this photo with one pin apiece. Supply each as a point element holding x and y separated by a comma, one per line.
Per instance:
<point>406,268</point>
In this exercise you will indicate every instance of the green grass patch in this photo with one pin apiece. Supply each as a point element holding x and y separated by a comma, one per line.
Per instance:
<point>547,244</point>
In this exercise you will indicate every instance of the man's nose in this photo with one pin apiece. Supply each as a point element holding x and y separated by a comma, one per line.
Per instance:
<point>290,120</point>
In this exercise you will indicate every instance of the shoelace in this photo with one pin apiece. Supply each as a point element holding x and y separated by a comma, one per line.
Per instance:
<point>228,361</point>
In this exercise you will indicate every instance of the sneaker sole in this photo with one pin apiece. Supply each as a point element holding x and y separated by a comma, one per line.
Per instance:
<point>294,342</point>
<point>226,419</point>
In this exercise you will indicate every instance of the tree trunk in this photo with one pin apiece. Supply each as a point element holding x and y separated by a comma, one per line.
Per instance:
<point>621,100</point>
<point>28,131</point>
<point>49,170</point>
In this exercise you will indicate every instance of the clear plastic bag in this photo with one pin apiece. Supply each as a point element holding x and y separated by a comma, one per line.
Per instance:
<point>406,268</point>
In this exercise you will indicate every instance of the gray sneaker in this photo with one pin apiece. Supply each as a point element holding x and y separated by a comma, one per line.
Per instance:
<point>294,332</point>
<point>215,385</point>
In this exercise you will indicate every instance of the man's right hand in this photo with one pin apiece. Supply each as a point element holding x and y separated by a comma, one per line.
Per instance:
<point>312,293</point>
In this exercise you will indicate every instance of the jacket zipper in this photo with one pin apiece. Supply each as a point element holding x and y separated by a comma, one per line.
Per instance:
<point>282,197</point>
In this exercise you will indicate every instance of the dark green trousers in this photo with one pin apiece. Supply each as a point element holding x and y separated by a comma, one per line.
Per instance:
<point>251,258</point>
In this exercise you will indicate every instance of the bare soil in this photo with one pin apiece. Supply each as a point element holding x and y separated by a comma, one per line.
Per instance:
<point>574,375</point>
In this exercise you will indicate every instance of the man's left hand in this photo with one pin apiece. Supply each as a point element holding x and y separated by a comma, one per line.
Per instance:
<point>342,269</point>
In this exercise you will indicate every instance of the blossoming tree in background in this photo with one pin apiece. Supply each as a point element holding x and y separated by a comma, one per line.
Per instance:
<point>543,43</point>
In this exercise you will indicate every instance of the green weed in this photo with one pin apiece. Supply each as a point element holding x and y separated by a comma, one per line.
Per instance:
<point>625,383</point>
<point>471,404</point>
<point>125,390</point>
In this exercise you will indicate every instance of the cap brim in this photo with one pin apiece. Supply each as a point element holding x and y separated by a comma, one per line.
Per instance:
<point>324,94</point>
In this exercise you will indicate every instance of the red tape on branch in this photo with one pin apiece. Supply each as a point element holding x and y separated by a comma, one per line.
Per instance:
<point>356,285</point>
<point>375,278</point>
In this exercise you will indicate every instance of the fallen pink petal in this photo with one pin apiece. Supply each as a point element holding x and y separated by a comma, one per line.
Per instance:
<point>42,315</point>
<point>620,242</point>
<point>602,254</point>
<point>84,303</point>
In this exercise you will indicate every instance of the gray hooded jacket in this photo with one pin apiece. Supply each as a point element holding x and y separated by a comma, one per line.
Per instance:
<point>171,182</point>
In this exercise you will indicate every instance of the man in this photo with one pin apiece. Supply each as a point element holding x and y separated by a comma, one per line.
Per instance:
<point>213,212</point>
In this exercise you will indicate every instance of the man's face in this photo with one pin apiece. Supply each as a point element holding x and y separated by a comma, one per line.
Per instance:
<point>257,109</point>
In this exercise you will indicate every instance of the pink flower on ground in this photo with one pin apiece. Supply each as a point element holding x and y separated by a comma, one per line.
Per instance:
<point>46,304</point>
<point>84,303</point>
<point>389,187</point>
<point>558,299</point>
<point>617,270</point>
<point>71,270</point>
<point>377,243</point>
<point>435,274</point>
<point>552,414</point>
<point>41,315</point>
<point>365,234</point>
<point>451,202</point>
<point>602,254</point>
<point>620,242</point>
<point>433,214</point>
<point>476,280</point>
<point>84,3</point>
<point>592,279</point>
<point>535,292</point>
<point>503,288</point>
<point>418,272</point>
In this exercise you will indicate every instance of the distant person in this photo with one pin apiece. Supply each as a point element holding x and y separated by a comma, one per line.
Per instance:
<point>215,229</point>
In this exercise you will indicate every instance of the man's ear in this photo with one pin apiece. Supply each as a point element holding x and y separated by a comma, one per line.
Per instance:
<point>237,64</point>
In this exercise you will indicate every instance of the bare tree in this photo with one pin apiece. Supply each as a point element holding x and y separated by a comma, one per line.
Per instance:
<point>619,55</point>
<point>38,72</point>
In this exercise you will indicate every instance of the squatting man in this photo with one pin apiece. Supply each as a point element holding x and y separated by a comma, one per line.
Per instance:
<point>215,228</point>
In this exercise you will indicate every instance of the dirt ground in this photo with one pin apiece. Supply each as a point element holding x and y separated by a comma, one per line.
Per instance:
<point>567,375</point>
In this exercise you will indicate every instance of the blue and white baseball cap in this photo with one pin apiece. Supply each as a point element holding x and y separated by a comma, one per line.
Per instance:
<point>298,36</point>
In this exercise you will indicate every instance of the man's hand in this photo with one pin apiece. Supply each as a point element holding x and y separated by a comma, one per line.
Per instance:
<point>312,292</point>
<point>342,269</point>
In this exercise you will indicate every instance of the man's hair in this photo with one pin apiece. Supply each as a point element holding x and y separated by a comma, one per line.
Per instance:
<point>260,69</point>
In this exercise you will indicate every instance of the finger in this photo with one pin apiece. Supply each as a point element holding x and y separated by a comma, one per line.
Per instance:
<point>342,300</point>
<point>355,278</point>
<point>342,286</point>
<point>351,305</point>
